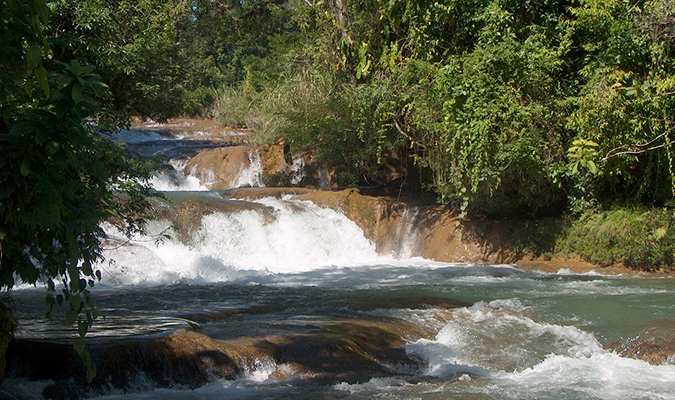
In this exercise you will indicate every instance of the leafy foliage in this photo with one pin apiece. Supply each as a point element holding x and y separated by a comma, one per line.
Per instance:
<point>635,237</point>
<point>58,180</point>
<point>134,45</point>
<point>499,100</point>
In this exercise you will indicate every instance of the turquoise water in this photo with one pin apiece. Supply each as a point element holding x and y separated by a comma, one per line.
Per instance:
<point>515,334</point>
<point>490,331</point>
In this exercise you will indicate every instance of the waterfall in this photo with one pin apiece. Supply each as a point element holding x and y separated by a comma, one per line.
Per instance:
<point>250,175</point>
<point>298,172</point>
<point>177,179</point>
<point>408,241</point>
<point>269,235</point>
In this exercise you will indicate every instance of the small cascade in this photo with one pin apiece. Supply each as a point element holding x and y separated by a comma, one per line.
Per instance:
<point>408,242</point>
<point>251,175</point>
<point>298,172</point>
<point>271,236</point>
<point>177,179</point>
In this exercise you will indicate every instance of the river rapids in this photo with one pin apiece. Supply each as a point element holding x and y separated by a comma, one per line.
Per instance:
<point>274,298</point>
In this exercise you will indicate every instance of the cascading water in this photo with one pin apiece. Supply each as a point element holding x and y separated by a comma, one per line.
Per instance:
<point>407,240</point>
<point>251,175</point>
<point>298,170</point>
<point>273,236</point>
<point>177,179</point>
<point>310,310</point>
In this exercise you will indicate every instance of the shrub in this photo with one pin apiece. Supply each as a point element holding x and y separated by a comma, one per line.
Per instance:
<point>635,237</point>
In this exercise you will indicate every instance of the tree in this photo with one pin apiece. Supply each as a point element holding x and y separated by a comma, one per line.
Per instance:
<point>58,180</point>
<point>135,46</point>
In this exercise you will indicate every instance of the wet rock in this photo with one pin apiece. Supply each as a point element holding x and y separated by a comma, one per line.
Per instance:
<point>219,168</point>
<point>350,350</point>
<point>227,313</point>
<point>259,193</point>
<point>335,350</point>
<point>657,351</point>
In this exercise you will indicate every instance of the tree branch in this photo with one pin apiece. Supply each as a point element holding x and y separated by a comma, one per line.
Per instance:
<point>404,133</point>
<point>611,153</point>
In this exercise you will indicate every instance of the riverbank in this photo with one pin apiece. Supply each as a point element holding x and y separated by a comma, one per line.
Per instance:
<point>281,290</point>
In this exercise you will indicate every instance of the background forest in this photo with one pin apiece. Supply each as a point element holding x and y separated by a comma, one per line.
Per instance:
<point>498,106</point>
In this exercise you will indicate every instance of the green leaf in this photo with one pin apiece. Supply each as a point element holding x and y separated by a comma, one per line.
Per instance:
<point>53,147</point>
<point>33,56</point>
<point>24,168</point>
<point>22,128</point>
<point>592,167</point>
<point>71,317</point>
<point>79,346</point>
<point>660,233</point>
<point>82,328</point>
<point>75,303</point>
<point>63,83</point>
<point>76,93</point>
<point>41,136</point>
<point>91,373</point>
<point>86,268</point>
<point>42,81</point>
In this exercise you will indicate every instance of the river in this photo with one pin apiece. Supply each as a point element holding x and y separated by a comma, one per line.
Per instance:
<point>280,268</point>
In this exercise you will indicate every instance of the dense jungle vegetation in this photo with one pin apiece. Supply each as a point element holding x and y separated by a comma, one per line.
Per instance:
<point>498,107</point>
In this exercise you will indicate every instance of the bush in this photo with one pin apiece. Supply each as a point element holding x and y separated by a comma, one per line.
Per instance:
<point>635,237</point>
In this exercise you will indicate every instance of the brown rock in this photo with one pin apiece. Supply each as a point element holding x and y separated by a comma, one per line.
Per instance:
<point>656,351</point>
<point>220,167</point>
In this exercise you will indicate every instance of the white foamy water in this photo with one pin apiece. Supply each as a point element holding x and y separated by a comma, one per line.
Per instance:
<point>136,136</point>
<point>499,336</point>
<point>251,175</point>
<point>177,179</point>
<point>298,170</point>
<point>407,240</point>
<point>292,237</point>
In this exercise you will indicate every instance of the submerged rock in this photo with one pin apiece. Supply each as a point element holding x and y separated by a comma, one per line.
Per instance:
<point>338,349</point>
<point>656,351</point>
